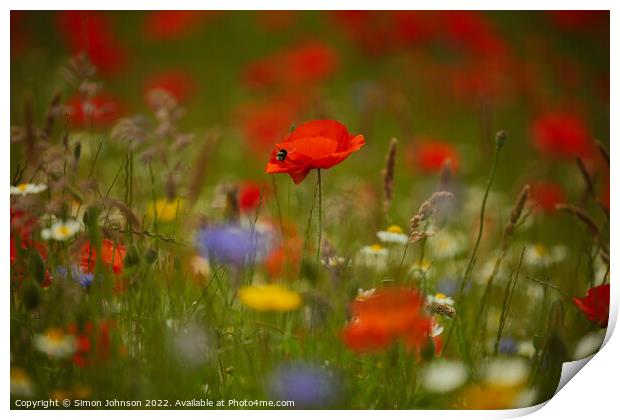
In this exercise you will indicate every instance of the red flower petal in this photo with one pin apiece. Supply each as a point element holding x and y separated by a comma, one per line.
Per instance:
<point>595,305</point>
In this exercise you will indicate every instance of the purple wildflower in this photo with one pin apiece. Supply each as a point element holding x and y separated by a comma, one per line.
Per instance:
<point>309,386</point>
<point>77,274</point>
<point>233,244</point>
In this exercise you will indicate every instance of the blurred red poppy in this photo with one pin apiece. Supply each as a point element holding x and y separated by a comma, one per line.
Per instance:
<point>249,196</point>
<point>264,122</point>
<point>306,64</point>
<point>381,31</point>
<point>388,315</point>
<point>91,33</point>
<point>595,305</point>
<point>313,145</point>
<point>579,20</point>
<point>178,83</point>
<point>102,110</point>
<point>20,39</point>
<point>547,195</point>
<point>429,155</point>
<point>561,135</point>
<point>471,31</point>
<point>310,63</point>
<point>88,339</point>
<point>112,255</point>
<point>174,24</point>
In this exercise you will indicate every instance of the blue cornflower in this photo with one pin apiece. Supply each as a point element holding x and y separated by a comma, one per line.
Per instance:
<point>507,345</point>
<point>307,385</point>
<point>77,274</point>
<point>233,244</point>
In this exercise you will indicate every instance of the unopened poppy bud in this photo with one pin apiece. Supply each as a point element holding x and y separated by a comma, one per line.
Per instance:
<point>500,138</point>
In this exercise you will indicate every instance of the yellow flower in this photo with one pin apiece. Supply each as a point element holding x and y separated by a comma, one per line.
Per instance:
<point>164,209</point>
<point>269,297</point>
<point>20,383</point>
<point>488,397</point>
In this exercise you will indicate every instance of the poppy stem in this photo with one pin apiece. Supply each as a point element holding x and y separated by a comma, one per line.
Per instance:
<point>318,248</point>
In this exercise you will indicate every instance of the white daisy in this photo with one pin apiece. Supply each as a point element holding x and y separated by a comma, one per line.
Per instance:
<point>393,235</point>
<point>539,255</point>
<point>62,230</point>
<point>503,371</point>
<point>440,299</point>
<point>486,271</point>
<point>55,343</point>
<point>589,344</point>
<point>443,376</point>
<point>419,270</point>
<point>25,189</point>
<point>446,245</point>
<point>526,349</point>
<point>373,256</point>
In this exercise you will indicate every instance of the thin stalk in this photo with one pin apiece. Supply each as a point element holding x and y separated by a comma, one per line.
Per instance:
<point>319,186</point>
<point>470,265</point>
<point>510,290</point>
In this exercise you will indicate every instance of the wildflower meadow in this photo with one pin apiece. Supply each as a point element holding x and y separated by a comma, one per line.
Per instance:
<point>306,209</point>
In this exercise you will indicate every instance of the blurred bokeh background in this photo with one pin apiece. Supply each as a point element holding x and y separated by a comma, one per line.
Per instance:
<point>442,83</point>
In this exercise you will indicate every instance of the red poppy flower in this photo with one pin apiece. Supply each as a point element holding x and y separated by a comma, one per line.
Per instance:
<point>595,305</point>
<point>91,33</point>
<point>429,155</point>
<point>313,145</point>
<point>174,24</point>
<point>177,83</point>
<point>386,316</point>
<point>102,110</point>
<point>112,255</point>
<point>547,195</point>
<point>561,135</point>
<point>22,224</point>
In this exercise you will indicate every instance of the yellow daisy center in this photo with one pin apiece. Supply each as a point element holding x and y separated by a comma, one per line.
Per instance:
<point>376,247</point>
<point>55,335</point>
<point>440,296</point>
<point>63,230</point>
<point>394,229</point>
<point>541,250</point>
<point>22,187</point>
